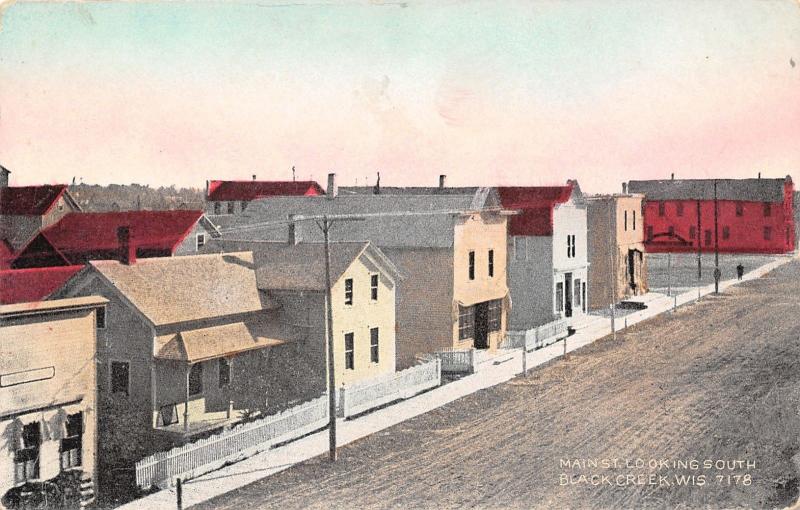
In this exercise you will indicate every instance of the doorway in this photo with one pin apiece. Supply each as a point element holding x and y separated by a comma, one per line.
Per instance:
<point>568,294</point>
<point>482,326</point>
<point>632,270</point>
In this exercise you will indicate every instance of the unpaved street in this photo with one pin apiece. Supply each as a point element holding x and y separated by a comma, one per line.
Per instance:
<point>716,381</point>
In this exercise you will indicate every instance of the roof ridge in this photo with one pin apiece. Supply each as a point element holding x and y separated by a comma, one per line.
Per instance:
<point>178,258</point>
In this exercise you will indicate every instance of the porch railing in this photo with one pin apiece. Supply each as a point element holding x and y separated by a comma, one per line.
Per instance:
<point>205,455</point>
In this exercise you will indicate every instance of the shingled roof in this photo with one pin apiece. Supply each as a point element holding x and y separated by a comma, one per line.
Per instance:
<point>536,204</point>
<point>748,190</point>
<point>221,191</point>
<point>29,200</point>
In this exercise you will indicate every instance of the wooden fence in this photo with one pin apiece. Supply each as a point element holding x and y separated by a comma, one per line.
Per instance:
<point>367,395</point>
<point>205,455</point>
<point>537,338</point>
<point>458,360</point>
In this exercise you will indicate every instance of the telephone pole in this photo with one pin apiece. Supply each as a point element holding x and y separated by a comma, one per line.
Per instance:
<point>717,272</point>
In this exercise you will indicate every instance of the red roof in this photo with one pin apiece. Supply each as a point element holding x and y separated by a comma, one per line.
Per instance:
<point>36,284</point>
<point>252,190</point>
<point>6,254</point>
<point>535,204</point>
<point>81,233</point>
<point>29,200</point>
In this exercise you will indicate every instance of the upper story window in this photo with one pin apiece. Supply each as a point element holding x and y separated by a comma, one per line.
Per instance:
<point>349,351</point>
<point>231,207</point>
<point>625,221</point>
<point>661,208</point>
<point>767,209</point>
<point>739,209</point>
<point>100,317</point>
<point>373,287</point>
<point>472,265</point>
<point>217,208</point>
<point>120,377</point>
<point>201,240</point>
<point>520,248</point>
<point>348,291</point>
<point>634,220</point>
<point>196,379</point>
<point>679,208</point>
<point>491,263</point>
<point>570,246</point>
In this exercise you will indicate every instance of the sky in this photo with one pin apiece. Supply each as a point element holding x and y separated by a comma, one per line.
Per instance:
<point>513,93</point>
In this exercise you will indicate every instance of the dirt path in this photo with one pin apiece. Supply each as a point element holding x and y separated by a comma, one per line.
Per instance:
<point>719,380</point>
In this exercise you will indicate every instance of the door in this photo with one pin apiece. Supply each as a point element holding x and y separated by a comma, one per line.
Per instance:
<point>568,294</point>
<point>632,270</point>
<point>482,326</point>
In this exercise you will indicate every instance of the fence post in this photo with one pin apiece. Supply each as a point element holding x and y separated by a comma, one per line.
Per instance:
<point>179,494</point>
<point>675,305</point>
<point>439,371</point>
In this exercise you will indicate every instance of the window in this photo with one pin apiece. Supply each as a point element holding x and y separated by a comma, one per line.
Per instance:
<point>692,232</point>
<point>374,351</point>
<point>570,246</point>
<point>559,296</point>
<point>26,459</point>
<point>201,240</point>
<point>494,314</point>
<point>231,207</point>
<point>466,322</point>
<point>100,317</point>
<point>767,233</point>
<point>739,209</point>
<point>224,372</point>
<point>708,238</point>
<point>649,233</point>
<point>71,445</point>
<point>168,414</point>
<point>634,220</point>
<point>520,248</point>
<point>472,265</point>
<point>243,205</point>
<point>120,374</point>
<point>661,207</point>
<point>625,216</point>
<point>767,209</point>
<point>679,207</point>
<point>491,263</point>
<point>373,287</point>
<point>583,292</point>
<point>217,208</point>
<point>726,233</point>
<point>196,379</point>
<point>348,291</point>
<point>577,292</point>
<point>349,351</point>
<point>671,231</point>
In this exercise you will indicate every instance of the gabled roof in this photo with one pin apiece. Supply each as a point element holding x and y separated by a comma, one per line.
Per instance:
<point>536,204</point>
<point>36,284</point>
<point>6,254</point>
<point>77,234</point>
<point>221,191</point>
<point>284,266</point>
<point>482,196</point>
<point>748,190</point>
<point>29,200</point>
<point>168,290</point>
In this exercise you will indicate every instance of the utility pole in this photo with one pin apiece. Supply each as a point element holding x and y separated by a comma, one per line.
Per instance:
<point>326,225</point>
<point>699,246</point>
<point>669,274</point>
<point>717,272</point>
<point>612,226</point>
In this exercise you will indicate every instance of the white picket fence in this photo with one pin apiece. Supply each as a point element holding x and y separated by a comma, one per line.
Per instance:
<point>363,396</point>
<point>537,338</point>
<point>458,360</point>
<point>164,468</point>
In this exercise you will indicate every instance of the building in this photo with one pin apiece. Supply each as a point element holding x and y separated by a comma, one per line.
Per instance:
<point>450,248</point>
<point>617,258</point>
<point>48,418</point>
<point>232,197</point>
<point>33,284</point>
<point>547,257</point>
<point>188,345</point>
<point>752,215</point>
<point>25,210</point>
<point>363,304</point>
<point>80,237</point>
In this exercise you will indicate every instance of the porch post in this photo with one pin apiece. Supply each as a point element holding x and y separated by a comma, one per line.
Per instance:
<point>186,400</point>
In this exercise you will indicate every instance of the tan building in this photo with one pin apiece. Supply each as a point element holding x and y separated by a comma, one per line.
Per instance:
<point>48,390</point>
<point>450,248</point>
<point>363,288</point>
<point>617,257</point>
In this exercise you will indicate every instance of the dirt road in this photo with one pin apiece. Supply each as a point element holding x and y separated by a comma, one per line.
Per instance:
<point>716,381</point>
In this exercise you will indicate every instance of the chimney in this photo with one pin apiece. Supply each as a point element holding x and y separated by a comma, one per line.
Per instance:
<point>759,175</point>
<point>672,176</point>
<point>624,188</point>
<point>294,235</point>
<point>442,181</point>
<point>208,184</point>
<point>4,172</point>
<point>377,189</point>
<point>254,177</point>
<point>127,250</point>
<point>332,188</point>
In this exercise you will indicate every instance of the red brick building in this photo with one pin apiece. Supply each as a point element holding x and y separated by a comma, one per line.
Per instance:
<point>753,215</point>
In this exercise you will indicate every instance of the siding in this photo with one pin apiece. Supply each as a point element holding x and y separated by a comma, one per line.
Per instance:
<point>530,278</point>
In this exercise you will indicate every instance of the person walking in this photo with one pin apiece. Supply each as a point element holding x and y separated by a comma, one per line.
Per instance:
<point>739,271</point>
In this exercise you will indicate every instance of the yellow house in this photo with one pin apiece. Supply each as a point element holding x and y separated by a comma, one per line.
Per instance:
<point>48,409</point>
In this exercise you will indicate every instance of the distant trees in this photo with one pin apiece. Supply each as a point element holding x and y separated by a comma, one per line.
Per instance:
<point>130,197</point>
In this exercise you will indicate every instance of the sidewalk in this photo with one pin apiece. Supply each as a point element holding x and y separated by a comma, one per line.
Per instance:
<point>272,461</point>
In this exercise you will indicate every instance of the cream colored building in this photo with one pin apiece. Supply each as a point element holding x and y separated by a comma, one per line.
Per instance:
<point>48,411</point>
<point>617,254</point>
